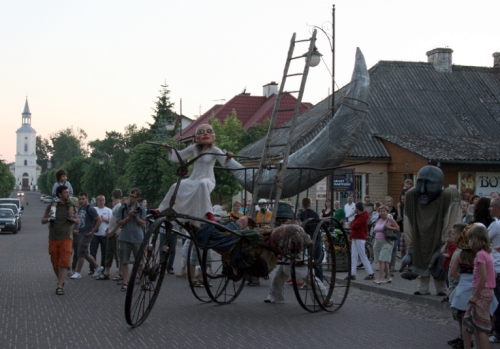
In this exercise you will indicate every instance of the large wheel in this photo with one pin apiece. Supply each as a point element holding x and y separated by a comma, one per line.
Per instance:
<point>336,248</point>
<point>221,285</point>
<point>194,274</point>
<point>147,274</point>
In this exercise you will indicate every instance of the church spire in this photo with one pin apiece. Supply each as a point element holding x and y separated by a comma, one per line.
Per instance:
<point>26,113</point>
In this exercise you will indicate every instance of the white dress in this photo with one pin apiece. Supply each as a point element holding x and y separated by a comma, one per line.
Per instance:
<point>193,196</point>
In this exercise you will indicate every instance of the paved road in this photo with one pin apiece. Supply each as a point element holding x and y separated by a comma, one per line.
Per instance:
<point>91,313</point>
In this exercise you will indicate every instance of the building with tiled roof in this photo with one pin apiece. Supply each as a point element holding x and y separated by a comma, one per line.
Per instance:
<point>432,113</point>
<point>249,109</point>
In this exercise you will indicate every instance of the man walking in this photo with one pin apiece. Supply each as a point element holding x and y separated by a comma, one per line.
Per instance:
<point>60,240</point>
<point>131,218</point>
<point>112,233</point>
<point>99,238</point>
<point>89,224</point>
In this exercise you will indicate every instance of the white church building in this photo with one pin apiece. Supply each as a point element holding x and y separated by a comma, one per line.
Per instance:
<point>25,169</point>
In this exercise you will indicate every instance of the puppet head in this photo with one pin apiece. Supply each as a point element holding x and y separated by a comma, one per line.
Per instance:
<point>430,181</point>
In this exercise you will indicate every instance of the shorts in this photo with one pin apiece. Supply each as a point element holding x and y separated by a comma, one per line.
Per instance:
<point>382,250</point>
<point>60,253</point>
<point>126,249</point>
<point>83,245</point>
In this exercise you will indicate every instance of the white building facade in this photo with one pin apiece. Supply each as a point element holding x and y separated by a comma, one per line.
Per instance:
<point>25,169</point>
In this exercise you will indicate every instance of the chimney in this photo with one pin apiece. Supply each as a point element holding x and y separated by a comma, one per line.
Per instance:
<point>270,89</point>
<point>440,59</point>
<point>496,60</point>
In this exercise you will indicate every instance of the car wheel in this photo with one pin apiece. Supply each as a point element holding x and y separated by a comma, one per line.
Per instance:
<point>15,231</point>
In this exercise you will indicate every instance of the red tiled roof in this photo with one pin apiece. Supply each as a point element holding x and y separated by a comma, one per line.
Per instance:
<point>249,109</point>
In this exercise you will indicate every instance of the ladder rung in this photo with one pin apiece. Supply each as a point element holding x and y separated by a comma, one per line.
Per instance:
<point>291,92</point>
<point>296,57</point>
<point>289,109</point>
<point>277,145</point>
<point>278,127</point>
<point>303,40</point>
<point>266,183</point>
<point>294,74</point>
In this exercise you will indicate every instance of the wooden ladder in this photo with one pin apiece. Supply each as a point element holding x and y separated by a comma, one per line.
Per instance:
<point>265,161</point>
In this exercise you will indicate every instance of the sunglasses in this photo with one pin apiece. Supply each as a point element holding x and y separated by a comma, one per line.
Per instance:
<point>200,132</point>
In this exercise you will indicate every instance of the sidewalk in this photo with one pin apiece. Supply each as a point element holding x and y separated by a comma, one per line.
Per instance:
<point>398,288</point>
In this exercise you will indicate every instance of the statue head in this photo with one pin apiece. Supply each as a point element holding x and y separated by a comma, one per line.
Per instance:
<point>430,182</point>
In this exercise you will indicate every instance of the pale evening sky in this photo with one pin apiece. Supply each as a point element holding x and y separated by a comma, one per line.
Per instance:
<point>98,65</point>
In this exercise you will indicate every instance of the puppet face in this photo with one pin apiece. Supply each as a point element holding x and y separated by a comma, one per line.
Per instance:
<point>429,184</point>
<point>205,134</point>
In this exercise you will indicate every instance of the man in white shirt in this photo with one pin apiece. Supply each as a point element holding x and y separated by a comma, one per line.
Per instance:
<point>112,234</point>
<point>99,238</point>
<point>350,209</point>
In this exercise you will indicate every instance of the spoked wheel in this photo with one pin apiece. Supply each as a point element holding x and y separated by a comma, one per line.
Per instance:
<point>304,282</point>
<point>195,275</point>
<point>221,284</point>
<point>337,251</point>
<point>147,274</point>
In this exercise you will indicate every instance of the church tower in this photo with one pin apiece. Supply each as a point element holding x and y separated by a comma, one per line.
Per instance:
<point>26,169</point>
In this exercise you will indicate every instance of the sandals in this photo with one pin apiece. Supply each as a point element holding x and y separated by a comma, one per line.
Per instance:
<point>60,291</point>
<point>350,277</point>
<point>370,277</point>
<point>123,288</point>
<point>196,283</point>
<point>117,278</point>
<point>102,277</point>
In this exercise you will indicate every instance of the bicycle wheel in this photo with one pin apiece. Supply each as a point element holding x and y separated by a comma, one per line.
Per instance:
<point>334,249</point>
<point>221,284</point>
<point>194,274</point>
<point>147,274</point>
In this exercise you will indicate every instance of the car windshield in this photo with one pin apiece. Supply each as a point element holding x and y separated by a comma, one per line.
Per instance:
<point>6,214</point>
<point>11,206</point>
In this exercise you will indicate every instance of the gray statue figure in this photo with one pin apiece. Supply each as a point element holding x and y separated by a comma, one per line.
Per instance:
<point>430,213</point>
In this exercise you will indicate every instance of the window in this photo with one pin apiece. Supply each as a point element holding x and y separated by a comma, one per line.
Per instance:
<point>25,147</point>
<point>25,162</point>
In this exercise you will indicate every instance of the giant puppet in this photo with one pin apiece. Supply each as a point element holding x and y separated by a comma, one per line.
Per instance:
<point>430,213</point>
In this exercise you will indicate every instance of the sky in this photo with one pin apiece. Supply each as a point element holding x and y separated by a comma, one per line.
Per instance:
<point>99,65</point>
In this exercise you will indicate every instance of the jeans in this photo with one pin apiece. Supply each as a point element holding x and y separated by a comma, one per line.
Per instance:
<point>171,247</point>
<point>76,241</point>
<point>94,245</point>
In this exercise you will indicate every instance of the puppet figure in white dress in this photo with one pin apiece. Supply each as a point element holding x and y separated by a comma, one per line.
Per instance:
<point>193,195</point>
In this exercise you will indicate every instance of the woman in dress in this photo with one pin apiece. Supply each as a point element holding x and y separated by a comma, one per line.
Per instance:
<point>383,249</point>
<point>193,195</point>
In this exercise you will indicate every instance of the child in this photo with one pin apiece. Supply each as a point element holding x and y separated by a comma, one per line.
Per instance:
<point>447,251</point>
<point>477,317</point>
<point>61,176</point>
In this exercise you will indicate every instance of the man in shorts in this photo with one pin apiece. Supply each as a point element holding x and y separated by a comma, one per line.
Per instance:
<point>60,237</point>
<point>89,224</point>
<point>131,218</point>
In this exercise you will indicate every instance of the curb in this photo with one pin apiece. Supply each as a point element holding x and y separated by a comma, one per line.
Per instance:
<point>431,300</point>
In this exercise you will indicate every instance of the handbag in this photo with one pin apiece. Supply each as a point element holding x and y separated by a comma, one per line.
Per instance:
<point>390,235</point>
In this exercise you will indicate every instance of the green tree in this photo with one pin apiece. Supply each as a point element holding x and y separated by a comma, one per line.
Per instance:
<point>148,170</point>
<point>99,179</point>
<point>7,180</point>
<point>254,133</point>
<point>42,183</point>
<point>66,145</point>
<point>228,138</point>
<point>43,151</point>
<point>76,169</point>
<point>162,112</point>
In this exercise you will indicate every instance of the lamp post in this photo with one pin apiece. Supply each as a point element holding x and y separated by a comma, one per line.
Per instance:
<point>101,162</point>
<point>331,41</point>
<point>126,149</point>
<point>170,124</point>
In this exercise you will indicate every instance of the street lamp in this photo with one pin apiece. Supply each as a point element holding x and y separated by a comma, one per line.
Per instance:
<point>101,162</point>
<point>49,164</point>
<point>315,57</point>
<point>126,149</point>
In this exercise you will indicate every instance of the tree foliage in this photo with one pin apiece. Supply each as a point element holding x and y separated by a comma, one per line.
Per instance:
<point>7,180</point>
<point>43,152</point>
<point>67,144</point>
<point>162,112</point>
<point>76,168</point>
<point>99,179</point>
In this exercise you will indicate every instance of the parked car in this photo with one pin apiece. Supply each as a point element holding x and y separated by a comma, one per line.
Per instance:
<point>20,193</point>
<point>47,199</point>
<point>16,211</point>
<point>8,221</point>
<point>15,201</point>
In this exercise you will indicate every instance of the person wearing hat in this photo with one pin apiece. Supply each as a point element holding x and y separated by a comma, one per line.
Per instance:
<point>263,215</point>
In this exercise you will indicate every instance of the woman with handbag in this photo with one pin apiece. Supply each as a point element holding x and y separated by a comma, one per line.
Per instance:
<point>382,249</point>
